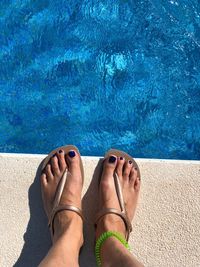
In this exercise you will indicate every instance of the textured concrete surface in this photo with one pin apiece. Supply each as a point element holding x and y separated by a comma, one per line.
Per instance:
<point>165,230</point>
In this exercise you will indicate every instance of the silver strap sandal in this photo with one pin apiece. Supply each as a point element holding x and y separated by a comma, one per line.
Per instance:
<point>122,212</point>
<point>57,207</point>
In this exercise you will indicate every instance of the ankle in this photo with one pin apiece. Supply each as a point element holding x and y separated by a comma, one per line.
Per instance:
<point>110,222</point>
<point>67,224</point>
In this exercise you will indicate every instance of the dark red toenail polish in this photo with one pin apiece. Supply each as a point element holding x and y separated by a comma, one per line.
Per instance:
<point>121,158</point>
<point>60,151</point>
<point>130,162</point>
<point>71,154</point>
<point>112,159</point>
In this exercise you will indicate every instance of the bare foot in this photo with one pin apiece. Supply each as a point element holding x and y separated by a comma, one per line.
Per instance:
<point>71,194</point>
<point>130,183</point>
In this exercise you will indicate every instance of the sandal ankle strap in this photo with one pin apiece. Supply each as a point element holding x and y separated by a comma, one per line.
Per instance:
<point>61,208</point>
<point>122,215</point>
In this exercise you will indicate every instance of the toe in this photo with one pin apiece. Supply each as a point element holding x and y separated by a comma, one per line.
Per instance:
<point>72,158</point>
<point>48,172</point>
<point>133,176</point>
<point>61,160</point>
<point>43,180</point>
<point>73,161</point>
<point>109,166</point>
<point>54,165</point>
<point>135,179</point>
<point>137,183</point>
<point>120,165</point>
<point>127,169</point>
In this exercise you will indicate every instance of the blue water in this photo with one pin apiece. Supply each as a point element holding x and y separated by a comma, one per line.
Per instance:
<point>100,74</point>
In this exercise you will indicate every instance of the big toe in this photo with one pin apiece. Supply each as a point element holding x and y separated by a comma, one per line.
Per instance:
<point>72,158</point>
<point>109,166</point>
<point>74,164</point>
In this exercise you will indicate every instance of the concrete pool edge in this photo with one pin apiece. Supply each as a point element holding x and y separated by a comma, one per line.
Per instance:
<point>166,227</point>
<point>155,160</point>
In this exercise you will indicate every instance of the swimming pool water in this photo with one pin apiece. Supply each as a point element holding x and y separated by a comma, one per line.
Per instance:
<point>100,74</point>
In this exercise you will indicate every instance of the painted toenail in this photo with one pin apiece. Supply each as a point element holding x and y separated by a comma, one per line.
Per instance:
<point>135,168</point>
<point>60,151</point>
<point>112,159</point>
<point>130,162</point>
<point>71,154</point>
<point>121,158</point>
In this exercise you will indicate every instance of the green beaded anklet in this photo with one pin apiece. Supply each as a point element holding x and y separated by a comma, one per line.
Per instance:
<point>103,238</point>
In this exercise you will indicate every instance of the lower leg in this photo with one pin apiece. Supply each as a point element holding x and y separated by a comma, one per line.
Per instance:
<point>121,257</point>
<point>67,241</point>
<point>113,253</point>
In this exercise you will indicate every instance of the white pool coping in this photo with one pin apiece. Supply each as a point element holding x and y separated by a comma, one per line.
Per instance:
<point>166,226</point>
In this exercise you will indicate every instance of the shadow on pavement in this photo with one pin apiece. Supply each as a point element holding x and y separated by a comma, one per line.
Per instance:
<point>37,236</point>
<point>37,239</point>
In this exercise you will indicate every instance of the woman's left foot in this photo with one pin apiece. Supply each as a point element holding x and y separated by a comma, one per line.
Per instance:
<point>64,220</point>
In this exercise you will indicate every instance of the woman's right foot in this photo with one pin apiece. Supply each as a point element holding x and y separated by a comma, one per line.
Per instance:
<point>130,184</point>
